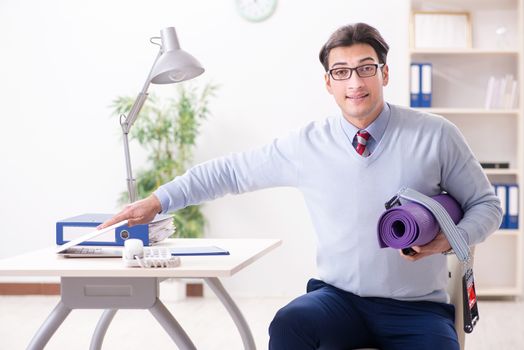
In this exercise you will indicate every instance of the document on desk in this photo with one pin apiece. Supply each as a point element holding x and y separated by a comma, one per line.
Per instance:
<point>116,252</point>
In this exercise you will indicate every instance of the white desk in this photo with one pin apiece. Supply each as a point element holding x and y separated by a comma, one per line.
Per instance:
<point>104,283</point>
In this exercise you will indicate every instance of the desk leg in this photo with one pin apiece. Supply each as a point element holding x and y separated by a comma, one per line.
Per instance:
<point>101,329</point>
<point>49,327</point>
<point>242,326</point>
<point>171,326</point>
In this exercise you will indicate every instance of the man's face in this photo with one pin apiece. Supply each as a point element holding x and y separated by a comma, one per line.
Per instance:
<point>360,99</point>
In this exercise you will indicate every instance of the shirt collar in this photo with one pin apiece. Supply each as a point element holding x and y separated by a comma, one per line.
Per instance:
<point>376,129</point>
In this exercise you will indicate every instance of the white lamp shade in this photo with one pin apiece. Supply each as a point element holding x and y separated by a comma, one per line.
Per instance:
<point>174,65</point>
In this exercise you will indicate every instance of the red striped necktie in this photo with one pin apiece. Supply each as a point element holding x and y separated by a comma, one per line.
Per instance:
<point>362,139</point>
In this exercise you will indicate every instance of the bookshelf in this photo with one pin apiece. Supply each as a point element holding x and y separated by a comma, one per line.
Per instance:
<point>460,79</point>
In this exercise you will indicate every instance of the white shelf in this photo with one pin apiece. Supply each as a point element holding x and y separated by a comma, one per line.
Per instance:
<point>511,171</point>
<point>497,292</point>
<point>472,51</point>
<point>506,233</point>
<point>460,79</point>
<point>462,5</point>
<point>470,111</point>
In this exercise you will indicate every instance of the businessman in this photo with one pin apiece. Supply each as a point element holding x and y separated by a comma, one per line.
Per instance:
<point>346,168</point>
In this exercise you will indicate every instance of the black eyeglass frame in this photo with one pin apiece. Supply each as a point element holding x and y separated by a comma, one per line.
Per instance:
<point>377,66</point>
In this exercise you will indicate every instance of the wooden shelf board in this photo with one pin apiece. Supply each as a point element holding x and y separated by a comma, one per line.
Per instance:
<point>506,233</point>
<point>498,291</point>
<point>429,51</point>
<point>511,171</point>
<point>469,111</point>
<point>469,4</point>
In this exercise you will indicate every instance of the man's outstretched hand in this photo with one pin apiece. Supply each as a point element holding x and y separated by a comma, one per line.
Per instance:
<point>438,245</point>
<point>139,212</point>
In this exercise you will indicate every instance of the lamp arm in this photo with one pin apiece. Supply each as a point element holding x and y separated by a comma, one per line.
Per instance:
<point>126,122</point>
<point>130,119</point>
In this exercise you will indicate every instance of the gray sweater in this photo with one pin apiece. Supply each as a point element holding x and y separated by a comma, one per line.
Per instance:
<point>345,195</point>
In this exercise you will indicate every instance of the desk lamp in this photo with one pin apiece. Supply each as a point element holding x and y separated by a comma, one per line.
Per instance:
<point>172,65</point>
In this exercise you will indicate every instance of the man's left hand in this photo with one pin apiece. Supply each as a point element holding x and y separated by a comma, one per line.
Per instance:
<point>438,245</point>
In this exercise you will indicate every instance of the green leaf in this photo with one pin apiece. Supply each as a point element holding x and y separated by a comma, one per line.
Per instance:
<point>168,129</point>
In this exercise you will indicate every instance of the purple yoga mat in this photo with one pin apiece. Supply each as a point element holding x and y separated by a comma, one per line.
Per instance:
<point>411,224</point>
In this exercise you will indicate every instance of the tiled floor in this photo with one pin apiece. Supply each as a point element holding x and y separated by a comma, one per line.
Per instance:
<point>207,323</point>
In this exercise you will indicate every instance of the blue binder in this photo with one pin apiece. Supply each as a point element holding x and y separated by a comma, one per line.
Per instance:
<point>513,206</point>
<point>426,77</point>
<point>501,192</point>
<point>70,228</point>
<point>414,87</point>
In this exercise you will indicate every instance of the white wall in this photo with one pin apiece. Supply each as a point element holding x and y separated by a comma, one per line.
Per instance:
<point>63,62</point>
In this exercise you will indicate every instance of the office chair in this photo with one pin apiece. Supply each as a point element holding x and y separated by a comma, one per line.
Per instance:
<point>455,294</point>
<point>454,290</point>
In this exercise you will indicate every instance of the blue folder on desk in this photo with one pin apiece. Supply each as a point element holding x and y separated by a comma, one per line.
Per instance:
<point>72,228</point>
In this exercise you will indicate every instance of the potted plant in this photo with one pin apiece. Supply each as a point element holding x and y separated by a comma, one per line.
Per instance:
<point>168,128</point>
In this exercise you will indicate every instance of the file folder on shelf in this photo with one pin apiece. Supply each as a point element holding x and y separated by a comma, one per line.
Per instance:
<point>501,192</point>
<point>415,85</point>
<point>426,72</point>
<point>512,211</point>
<point>67,229</point>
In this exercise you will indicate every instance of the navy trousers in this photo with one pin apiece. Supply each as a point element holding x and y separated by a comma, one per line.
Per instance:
<point>330,318</point>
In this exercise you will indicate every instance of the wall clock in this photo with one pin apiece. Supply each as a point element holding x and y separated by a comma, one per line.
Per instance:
<point>256,10</point>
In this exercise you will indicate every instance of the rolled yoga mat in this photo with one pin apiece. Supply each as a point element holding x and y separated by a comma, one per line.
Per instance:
<point>412,224</point>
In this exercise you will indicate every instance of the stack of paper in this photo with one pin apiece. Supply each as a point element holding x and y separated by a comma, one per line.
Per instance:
<point>161,228</point>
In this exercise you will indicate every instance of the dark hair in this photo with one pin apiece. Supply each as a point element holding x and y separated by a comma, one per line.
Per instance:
<point>358,33</point>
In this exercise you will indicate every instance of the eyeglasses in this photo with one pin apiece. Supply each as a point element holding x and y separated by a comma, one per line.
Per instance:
<point>364,71</point>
